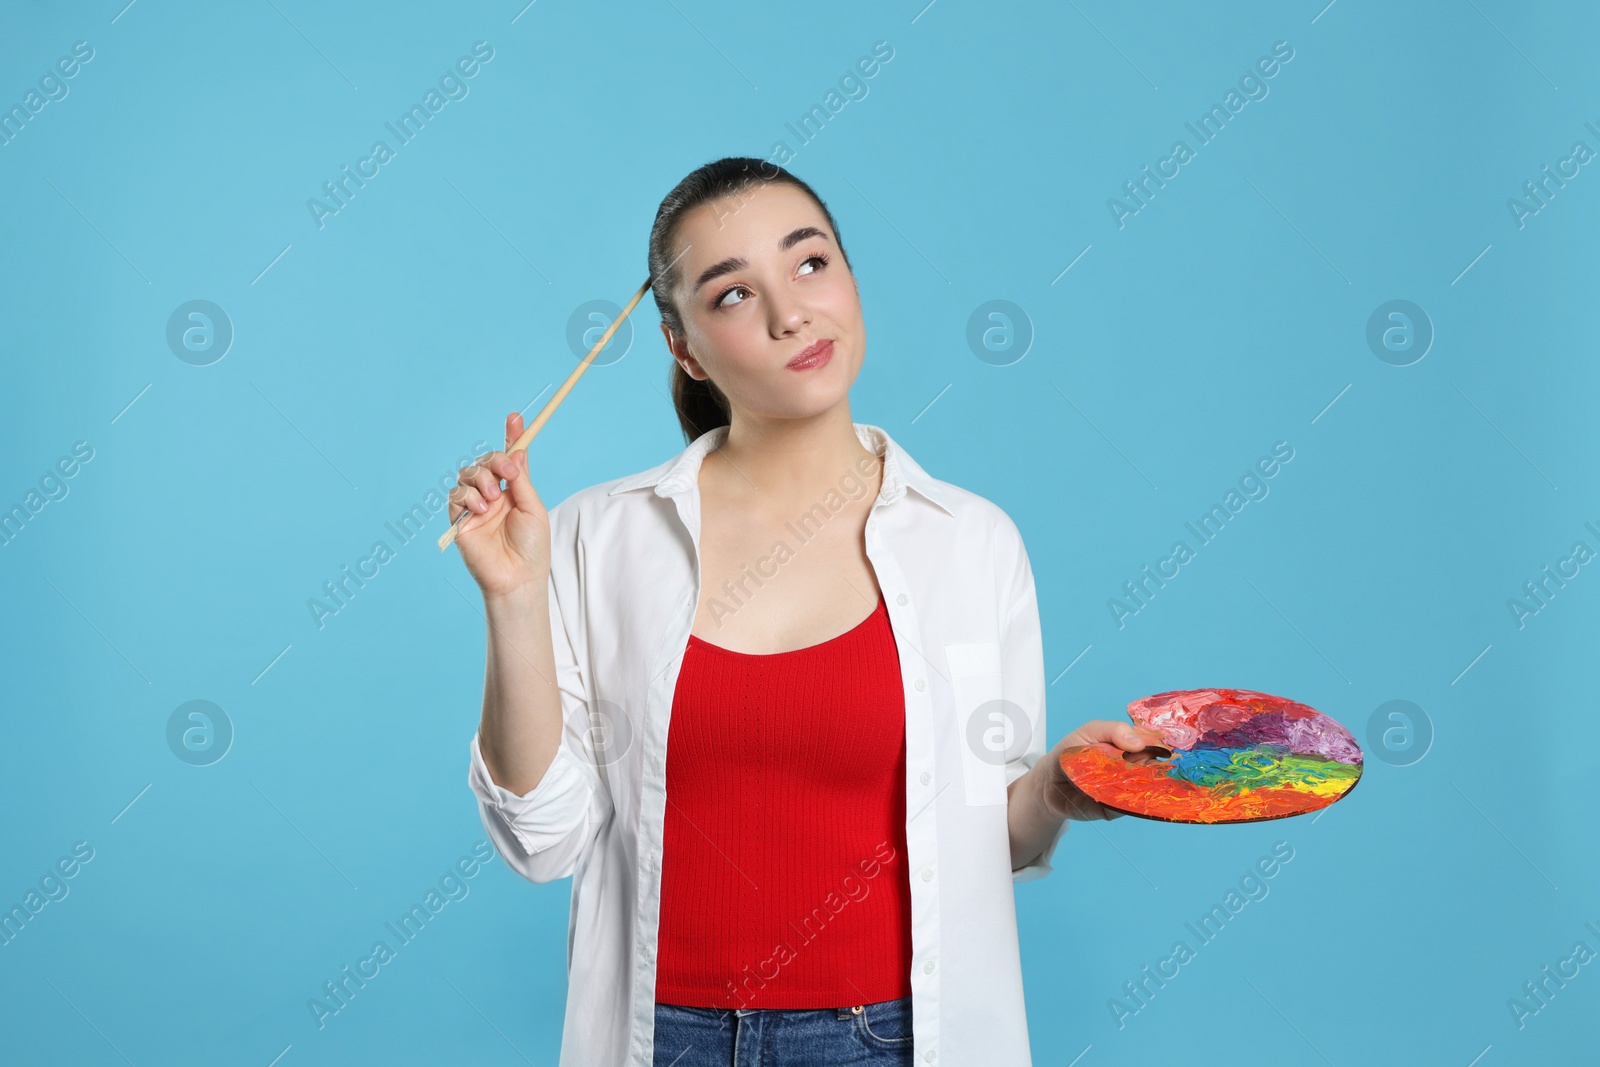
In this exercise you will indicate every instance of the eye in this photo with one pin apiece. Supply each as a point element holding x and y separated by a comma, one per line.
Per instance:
<point>718,302</point>
<point>722,296</point>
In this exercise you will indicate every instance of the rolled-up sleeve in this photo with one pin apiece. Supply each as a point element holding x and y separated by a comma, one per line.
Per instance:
<point>541,834</point>
<point>545,833</point>
<point>1022,671</point>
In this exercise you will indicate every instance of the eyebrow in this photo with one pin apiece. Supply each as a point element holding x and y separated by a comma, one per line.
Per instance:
<point>733,263</point>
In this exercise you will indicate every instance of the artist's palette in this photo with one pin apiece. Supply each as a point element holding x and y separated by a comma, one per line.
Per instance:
<point>1237,756</point>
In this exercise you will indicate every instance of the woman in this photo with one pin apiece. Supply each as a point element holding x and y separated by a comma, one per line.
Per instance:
<point>776,704</point>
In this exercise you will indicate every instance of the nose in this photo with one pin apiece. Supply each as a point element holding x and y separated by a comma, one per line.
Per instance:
<point>786,314</point>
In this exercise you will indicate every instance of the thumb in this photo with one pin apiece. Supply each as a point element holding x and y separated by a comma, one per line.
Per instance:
<point>1134,739</point>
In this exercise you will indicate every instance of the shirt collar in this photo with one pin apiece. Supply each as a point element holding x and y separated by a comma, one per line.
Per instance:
<point>900,471</point>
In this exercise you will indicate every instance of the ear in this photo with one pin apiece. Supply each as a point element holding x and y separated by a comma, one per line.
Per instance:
<point>680,352</point>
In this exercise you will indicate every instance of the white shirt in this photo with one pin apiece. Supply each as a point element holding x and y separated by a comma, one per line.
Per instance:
<point>624,589</point>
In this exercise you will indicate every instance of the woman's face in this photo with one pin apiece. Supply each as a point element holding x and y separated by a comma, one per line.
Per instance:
<point>761,279</point>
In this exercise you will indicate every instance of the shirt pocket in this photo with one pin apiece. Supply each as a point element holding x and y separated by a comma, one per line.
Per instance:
<point>986,726</point>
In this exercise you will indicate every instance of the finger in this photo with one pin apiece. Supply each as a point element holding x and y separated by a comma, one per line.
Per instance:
<point>503,466</point>
<point>1075,803</point>
<point>482,476</point>
<point>513,428</point>
<point>515,472</point>
<point>1154,738</point>
<point>465,498</point>
<point>1125,737</point>
<point>1099,731</point>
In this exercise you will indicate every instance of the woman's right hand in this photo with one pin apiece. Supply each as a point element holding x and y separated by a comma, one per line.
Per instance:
<point>505,542</point>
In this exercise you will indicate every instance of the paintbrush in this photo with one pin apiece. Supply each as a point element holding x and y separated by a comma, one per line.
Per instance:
<point>555,402</point>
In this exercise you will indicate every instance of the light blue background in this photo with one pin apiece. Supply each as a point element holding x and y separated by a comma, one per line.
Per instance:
<point>1228,314</point>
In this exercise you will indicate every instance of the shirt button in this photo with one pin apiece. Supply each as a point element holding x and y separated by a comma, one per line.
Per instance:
<point>926,778</point>
<point>872,524</point>
<point>928,1055</point>
<point>921,685</point>
<point>927,968</point>
<point>901,599</point>
<point>927,874</point>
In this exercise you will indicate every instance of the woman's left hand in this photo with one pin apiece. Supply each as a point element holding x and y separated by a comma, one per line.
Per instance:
<point>1066,801</point>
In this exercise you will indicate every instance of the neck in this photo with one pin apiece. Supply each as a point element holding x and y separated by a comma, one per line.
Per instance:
<point>792,456</point>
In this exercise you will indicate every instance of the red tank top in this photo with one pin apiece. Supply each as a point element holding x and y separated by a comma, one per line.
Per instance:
<point>783,873</point>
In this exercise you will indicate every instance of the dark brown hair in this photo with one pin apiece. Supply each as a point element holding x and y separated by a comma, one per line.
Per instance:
<point>701,405</point>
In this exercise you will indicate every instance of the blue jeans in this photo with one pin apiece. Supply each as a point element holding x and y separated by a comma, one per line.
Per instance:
<point>878,1033</point>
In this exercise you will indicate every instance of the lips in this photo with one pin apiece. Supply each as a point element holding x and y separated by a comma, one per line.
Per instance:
<point>812,356</point>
